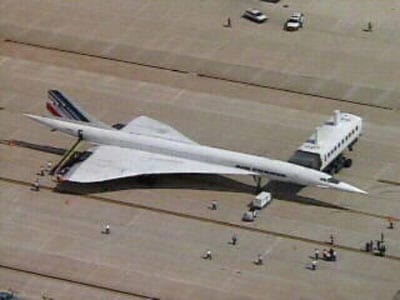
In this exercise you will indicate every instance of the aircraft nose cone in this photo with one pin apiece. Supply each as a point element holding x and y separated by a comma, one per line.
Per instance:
<point>349,188</point>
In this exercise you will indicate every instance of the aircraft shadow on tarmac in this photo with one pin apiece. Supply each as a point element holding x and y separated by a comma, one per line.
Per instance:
<point>169,181</point>
<point>279,190</point>
<point>290,192</point>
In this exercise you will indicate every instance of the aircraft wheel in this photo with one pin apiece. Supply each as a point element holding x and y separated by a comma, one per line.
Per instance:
<point>336,168</point>
<point>348,162</point>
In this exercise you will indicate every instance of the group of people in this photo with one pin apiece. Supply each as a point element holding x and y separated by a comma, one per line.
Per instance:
<point>329,255</point>
<point>36,184</point>
<point>44,170</point>
<point>378,247</point>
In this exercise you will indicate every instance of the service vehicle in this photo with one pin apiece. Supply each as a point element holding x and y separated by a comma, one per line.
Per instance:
<point>249,216</point>
<point>325,149</point>
<point>261,200</point>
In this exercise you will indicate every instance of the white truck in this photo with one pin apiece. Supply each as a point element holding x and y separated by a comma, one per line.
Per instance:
<point>261,200</point>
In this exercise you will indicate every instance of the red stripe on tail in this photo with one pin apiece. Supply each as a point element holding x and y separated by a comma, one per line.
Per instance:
<point>52,110</point>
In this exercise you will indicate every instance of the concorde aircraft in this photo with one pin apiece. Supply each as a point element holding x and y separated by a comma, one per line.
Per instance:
<point>146,146</point>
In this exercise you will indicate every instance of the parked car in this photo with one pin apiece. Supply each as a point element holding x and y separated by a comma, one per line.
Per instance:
<point>295,22</point>
<point>255,15</point>
<point>6,295</point>
<point>299,17</point>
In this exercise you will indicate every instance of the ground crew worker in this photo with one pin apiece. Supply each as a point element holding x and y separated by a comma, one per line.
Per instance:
<point>214,205</point>
<point>391,225</point>
<point>382,250</point>
<point>316,253</point>
<point>58,178</point>
<point>229,23</point>
<point>260,260</point>
<point>371,245</point>
<point>36,185</point>
<point>106,229</point>
<point>208,255</point>
<point>234,239</point>
<point>49,165</point>
<point>326,255</point>
<point>314,265</point>
<point>41,172</point>
<point>334,256</point>
<point>367,248</point>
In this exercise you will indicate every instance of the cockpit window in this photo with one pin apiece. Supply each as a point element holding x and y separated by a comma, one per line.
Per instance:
<point>333,180</point>
<point>330,180</point>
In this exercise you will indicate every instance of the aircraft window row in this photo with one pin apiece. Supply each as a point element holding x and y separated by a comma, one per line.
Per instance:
<point>269,172</point>
<point>243,167</point>
<point>261,171</point>
<point>330,179</point>
<point>333,180</point>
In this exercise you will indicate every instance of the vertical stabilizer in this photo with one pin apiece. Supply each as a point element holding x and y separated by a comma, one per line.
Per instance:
<point>60,105</point>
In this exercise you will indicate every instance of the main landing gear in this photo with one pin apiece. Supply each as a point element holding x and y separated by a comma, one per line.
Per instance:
<point>338,164</point>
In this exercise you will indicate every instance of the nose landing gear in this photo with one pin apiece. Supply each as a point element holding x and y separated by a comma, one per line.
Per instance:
<point>258,181</point>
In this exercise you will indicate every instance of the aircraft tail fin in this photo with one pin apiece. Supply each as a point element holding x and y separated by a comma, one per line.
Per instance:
<point>60,105</point>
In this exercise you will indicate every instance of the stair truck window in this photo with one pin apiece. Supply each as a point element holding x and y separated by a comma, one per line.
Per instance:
<point>306,159</point>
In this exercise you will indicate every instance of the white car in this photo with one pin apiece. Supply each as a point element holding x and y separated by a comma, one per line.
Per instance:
<point>295,22</point>
<point>299,17</point>
<point>255,15</point>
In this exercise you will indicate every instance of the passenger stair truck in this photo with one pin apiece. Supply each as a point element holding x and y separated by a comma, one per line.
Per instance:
<point>325,149</point>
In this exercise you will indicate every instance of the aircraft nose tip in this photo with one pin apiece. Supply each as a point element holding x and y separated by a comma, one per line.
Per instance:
<point>349,188</point>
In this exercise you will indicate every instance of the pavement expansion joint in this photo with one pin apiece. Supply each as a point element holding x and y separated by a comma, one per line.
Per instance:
<point>184,71</point>
<point>78,282</point>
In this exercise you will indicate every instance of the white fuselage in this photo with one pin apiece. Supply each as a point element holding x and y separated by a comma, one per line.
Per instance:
<point>260,166</point>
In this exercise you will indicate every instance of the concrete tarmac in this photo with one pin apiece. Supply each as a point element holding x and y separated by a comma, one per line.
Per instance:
<point>52,243</point>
